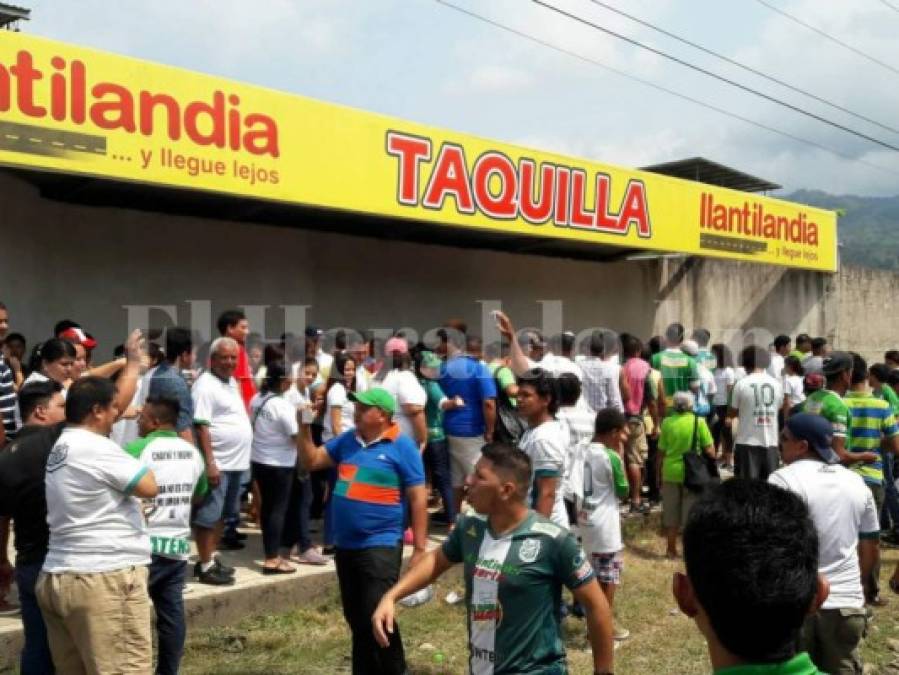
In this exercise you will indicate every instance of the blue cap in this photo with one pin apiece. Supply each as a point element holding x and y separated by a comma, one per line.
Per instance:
<point>817,432</point>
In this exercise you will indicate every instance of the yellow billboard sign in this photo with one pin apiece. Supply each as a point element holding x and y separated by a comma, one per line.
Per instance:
<point>69,109</point>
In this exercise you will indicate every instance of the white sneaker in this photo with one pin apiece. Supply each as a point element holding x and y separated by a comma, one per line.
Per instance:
<point>619,633</point>
<point>418,598</point>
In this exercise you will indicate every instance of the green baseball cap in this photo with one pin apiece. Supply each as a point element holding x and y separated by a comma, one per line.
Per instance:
<point>430,360</point>
<point>376,398</point>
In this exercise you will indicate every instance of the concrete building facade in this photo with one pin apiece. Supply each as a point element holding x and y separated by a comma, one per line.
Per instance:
<point>111,268</point>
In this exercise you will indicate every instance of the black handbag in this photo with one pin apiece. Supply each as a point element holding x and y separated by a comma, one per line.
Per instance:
<point>700,470</point>
<point>509,425</point>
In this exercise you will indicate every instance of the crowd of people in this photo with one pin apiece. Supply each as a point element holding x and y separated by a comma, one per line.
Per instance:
<point>529,451</point>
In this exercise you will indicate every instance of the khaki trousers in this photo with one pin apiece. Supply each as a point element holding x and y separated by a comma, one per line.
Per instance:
<point>832,636</point>
<point>97,623</point>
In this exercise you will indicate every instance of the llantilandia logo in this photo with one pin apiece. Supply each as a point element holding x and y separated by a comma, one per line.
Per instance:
<point>756,228</point>
<point>61,90</point>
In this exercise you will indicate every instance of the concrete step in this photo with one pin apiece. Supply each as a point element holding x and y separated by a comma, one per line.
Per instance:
<point>252,593</point>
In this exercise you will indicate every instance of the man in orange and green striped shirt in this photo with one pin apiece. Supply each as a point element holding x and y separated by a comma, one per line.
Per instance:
<point>379,475</point>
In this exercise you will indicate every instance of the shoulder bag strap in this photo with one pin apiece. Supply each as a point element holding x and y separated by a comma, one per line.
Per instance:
<point>261,406</point>
<point>693,447</point>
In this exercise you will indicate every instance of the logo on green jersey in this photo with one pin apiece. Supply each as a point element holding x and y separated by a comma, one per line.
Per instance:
<point>529,550</point>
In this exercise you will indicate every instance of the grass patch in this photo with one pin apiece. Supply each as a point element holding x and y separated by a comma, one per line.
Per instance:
<point>315,639</point>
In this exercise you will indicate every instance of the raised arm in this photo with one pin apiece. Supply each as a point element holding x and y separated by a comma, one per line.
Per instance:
<point>520,363</point>
<point>313,458</point>
<point>127,382</point>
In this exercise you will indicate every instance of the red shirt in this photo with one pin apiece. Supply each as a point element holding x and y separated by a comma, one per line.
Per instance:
<point>244,376</point>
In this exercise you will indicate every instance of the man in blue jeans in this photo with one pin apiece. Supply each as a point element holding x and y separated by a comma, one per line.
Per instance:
<point>470,426</point>
<point>22,467</point>
<point>181,477</point>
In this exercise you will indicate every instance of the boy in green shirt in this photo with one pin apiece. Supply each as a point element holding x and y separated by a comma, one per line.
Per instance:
<point>751,553</point>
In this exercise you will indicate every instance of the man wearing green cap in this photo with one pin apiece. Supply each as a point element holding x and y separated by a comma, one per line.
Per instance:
<point>379,476</point>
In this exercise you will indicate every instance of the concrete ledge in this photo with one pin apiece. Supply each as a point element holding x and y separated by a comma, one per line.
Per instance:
<point>206,606</point>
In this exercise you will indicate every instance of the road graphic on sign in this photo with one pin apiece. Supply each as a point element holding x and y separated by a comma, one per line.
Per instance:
<point>34,140</point>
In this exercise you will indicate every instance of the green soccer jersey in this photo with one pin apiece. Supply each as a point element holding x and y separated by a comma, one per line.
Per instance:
<point>433,412</point>
<point>181,476</point>
<point>679,373</point>
<point>831,407</point>
<point>800,664</point>
<point>886,393</point>
<point>513,592</point>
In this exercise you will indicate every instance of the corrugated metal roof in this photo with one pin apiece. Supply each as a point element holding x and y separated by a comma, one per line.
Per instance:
<point>704,170</point>
<point>9,14</point>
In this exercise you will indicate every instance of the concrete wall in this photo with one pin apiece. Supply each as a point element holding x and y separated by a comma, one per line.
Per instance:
<point>67,261</point>
<point>742,302</point>
<point>865,302</point>
<point>60,260</point>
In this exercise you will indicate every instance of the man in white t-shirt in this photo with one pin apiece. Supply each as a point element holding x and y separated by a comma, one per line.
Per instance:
<point>779,350</point>
<point>755,401</point>
<point>845,517</point>
<point>93,587</point>
<point>545,442</point>
<point>181,476</point>
<point>604,379</point>
<point>225,438</point>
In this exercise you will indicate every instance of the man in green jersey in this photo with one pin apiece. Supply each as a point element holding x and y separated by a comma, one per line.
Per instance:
<point>516,563</point>
<point>879,379</point>
<point>872,429</point>
<point>751,552</point>
<point>679,370</point>
<point>829,403</point>
<point>803,346</point>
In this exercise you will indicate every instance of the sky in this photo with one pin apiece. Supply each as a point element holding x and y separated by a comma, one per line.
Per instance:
<point>421,61</point>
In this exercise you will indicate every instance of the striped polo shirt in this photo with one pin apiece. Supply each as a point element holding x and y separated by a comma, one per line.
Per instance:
<point>9,410</point>
<point>870,420</point>
<point>369,503</point>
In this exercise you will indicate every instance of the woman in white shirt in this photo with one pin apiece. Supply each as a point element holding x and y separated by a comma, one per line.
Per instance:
<point>339,409</point>
<point>725,378</point>
<point>52,360</point>
<point>397,377</point>
<point>296,540</point>
<point>339,418</point>
<point>273,460</point>
<point>302,393</point>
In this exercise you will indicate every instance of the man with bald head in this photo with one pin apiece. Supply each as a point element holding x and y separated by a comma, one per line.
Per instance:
<point>225,437</point>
